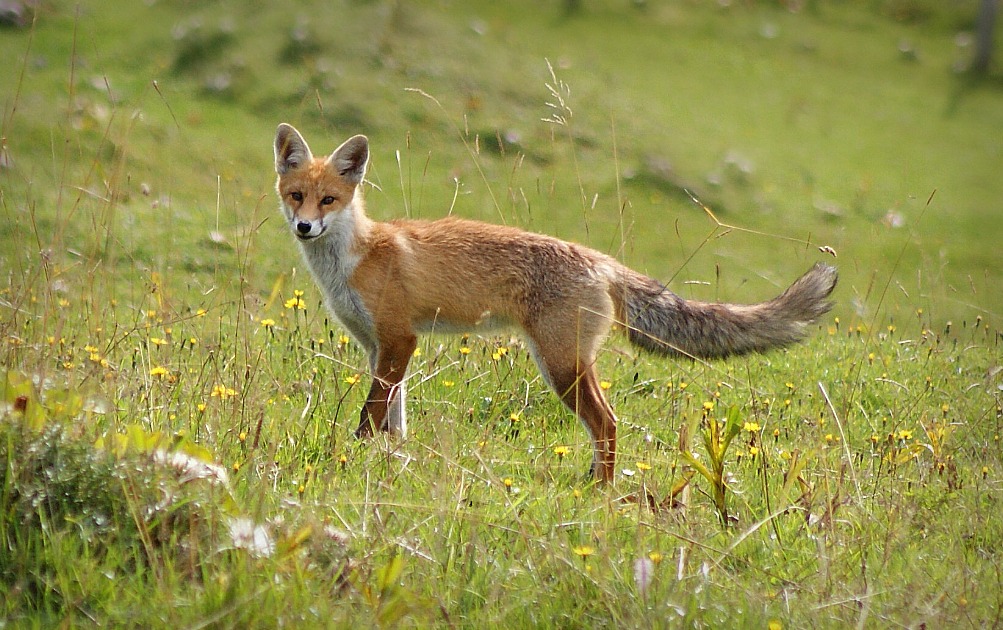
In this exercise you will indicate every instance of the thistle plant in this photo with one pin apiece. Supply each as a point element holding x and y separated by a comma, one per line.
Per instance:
<point>717,437</point>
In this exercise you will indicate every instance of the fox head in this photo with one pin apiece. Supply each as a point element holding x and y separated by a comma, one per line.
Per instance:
<point>317,193</point>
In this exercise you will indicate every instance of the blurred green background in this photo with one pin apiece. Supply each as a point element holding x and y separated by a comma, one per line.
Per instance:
<point>137,138</point>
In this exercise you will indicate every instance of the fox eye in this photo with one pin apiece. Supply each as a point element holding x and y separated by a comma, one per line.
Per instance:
<point>297,196</point>
<point>326,201</point>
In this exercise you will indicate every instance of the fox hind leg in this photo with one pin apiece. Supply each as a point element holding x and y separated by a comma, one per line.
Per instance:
<point>566,356</point>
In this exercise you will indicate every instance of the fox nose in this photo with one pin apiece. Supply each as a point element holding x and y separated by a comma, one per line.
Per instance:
<point>303,227</point>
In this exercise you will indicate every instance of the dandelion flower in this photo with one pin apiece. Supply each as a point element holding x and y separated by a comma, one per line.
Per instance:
<point>159,371</point>
<point>751,427</point>
<point>643,466</point>
<point>605,384</point>
<point>352,380</point>
<point>561,451</point>
<point>464,349</point>
<point>296,302</point>
<point>583,551</point>
<point>222,392</point>
<point>268,323</point>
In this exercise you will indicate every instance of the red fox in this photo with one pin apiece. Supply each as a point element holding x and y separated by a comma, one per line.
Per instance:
<point>386,282</point>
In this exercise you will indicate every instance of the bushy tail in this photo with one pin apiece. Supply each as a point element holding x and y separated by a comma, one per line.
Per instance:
<point>663,322</point>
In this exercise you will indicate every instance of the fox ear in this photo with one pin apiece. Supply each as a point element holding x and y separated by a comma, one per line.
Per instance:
<point>350,159</point>
<point>291,150</point>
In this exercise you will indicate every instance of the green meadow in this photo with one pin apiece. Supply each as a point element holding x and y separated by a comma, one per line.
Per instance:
<point>177,408</point>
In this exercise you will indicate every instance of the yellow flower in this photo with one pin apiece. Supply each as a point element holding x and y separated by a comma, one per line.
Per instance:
<point>352,380</point>
<point>753,451</point>
<point>655,557</point>
<point>515,417</point>
<point>464,349</point>
<point>157,341</point>
<point>583,551</point>
<point>222,392</point>
<point>159,371</point>
<point>709,405</point>
<point>448,383</point>
<point>905,434</point>
<point>643,466</point>
<point>417,352</point>
<point>508,482</point>
<point>268,323</point>
<point>605,384</point>
<point>201,312</point>
<point>751,427</point>
<point>561,451</point>
<point>499,352</point>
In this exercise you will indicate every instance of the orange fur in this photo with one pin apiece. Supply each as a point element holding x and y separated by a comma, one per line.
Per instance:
<point>386,282</point>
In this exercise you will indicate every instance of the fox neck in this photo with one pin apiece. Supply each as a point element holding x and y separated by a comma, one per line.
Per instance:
<point>333,256</point>
<point>332,259</point>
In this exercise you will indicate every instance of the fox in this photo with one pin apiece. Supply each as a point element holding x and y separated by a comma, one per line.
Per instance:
<point>387,282</point>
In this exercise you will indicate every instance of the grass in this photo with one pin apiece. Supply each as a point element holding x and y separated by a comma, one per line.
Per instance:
<point>176,428</point>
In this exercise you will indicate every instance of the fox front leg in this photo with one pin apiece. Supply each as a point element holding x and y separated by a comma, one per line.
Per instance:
<point>385,406</point>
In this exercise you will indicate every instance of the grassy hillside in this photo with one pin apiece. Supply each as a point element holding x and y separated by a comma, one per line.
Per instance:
<point>177,409</point>
<point>801,125</point>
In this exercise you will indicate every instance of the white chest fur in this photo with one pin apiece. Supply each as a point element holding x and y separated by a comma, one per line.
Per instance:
<point>331,261</point>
